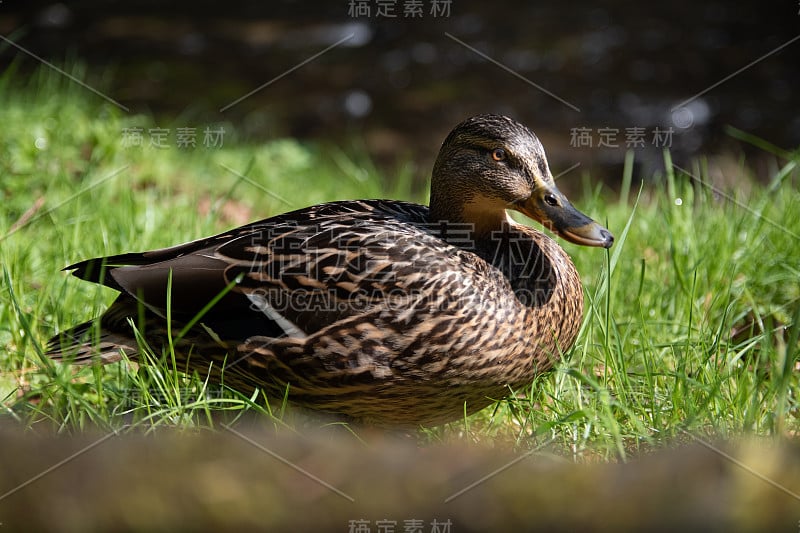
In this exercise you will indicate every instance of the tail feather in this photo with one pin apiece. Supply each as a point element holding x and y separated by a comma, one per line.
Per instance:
<point>87,343</point>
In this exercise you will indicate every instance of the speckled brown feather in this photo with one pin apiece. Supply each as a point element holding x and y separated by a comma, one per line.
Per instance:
<point>366,309</point>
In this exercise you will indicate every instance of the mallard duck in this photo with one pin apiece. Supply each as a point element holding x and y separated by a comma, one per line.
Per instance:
<point>379,311</point>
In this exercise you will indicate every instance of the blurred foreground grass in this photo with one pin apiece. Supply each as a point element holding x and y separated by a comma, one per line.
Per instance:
<point>693,331</point>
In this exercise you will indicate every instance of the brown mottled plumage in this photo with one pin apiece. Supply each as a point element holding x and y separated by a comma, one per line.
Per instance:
<point>384,312</point>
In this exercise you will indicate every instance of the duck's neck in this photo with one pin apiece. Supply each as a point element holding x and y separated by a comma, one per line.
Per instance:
<point>482,222</point>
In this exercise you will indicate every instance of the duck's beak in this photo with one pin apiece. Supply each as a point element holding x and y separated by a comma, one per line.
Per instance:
<point>552,209</point>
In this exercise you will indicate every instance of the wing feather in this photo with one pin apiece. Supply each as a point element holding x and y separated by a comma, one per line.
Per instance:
<point>295,274</point>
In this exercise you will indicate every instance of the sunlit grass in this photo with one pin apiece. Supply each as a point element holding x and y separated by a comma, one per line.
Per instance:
<point>692,331</point>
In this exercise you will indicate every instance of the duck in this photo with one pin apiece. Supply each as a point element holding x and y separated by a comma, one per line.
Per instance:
<point>380,312</point>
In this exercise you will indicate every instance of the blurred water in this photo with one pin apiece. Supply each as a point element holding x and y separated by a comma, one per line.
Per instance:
<point>632,72</point>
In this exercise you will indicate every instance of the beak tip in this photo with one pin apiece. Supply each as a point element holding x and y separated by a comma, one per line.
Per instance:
<point>592,234</point>
<point>607,237</point>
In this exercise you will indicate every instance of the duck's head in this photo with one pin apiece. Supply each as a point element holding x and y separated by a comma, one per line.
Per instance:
<point>490,163</point>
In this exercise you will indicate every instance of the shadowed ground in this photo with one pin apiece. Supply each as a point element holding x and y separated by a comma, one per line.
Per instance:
<point>220,481</point>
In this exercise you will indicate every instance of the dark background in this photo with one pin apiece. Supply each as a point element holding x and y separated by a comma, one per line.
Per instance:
<point>401,83</point>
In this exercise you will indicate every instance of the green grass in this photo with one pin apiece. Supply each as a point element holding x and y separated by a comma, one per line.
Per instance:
<point>690,326</point>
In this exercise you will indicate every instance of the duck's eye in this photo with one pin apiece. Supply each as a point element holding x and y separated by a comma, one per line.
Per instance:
<point>498,154</point>
<point>550,200</point>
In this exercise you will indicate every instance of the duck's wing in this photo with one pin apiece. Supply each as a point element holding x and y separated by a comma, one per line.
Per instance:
<point>290,275</point>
